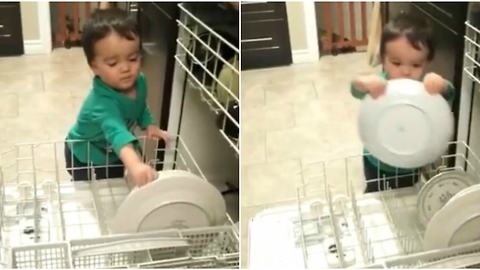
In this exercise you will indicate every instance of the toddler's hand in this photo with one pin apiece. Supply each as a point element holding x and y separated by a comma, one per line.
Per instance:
<point>434,83</point>
<point>142,174</point>
<point>153,132</point>
<point>372,84</point>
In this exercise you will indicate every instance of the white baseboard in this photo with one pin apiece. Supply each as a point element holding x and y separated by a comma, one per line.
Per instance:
<point>304,56</point>
<point>33,47</point>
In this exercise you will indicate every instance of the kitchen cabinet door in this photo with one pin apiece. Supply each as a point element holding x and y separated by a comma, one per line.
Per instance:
<point>265,37</point>
<point>11,37</point>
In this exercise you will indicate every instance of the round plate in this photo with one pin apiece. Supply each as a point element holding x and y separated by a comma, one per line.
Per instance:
<point>219,213</point>
<point>439,190</point>
<point>406,127</point>
<point>455,224</point>
<point>175,200</point>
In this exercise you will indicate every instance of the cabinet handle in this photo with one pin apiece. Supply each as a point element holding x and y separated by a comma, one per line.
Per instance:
<point>1,25</point>
<point>6,35</point>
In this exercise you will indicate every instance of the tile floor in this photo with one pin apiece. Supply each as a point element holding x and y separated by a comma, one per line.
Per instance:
<point>40,98</point>
<point>292,116</point>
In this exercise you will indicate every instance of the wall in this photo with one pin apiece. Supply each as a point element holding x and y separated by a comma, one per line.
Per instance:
<point>346,16</point>
<point>30,25</point>
<point>296,26</point>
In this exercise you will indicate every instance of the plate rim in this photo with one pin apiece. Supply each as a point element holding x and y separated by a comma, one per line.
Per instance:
<point>433,240</point>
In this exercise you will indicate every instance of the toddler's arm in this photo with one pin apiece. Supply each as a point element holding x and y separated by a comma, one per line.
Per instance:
<point>354,89</point>
<point>368,84</point>
<point>107,115</point>
<point>145,118</point>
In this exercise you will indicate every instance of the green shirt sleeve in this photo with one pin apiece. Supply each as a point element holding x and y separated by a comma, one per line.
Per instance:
<point>360,94</point>
<point>449,95</point>
<point>145,119</point>
<point>108,116</point>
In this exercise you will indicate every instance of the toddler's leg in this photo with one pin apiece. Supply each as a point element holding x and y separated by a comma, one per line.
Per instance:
<point>114,170</point>
<point>407,180</point>
<point>372,177</point>
<point>78,170</point>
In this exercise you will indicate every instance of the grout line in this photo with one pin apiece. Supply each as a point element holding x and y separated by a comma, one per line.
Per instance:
<point>43,81</point>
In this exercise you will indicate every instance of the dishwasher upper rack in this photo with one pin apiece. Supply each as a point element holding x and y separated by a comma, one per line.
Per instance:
<point>211,64</point>
<point>383,225</point>
<point>34,174</point>
<point>213,247</point>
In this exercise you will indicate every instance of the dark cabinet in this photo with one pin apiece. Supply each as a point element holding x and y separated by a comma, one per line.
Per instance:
<point>448,21</point>
<point>11,37</point>
<point>265,36</point>
<point>159,30</point>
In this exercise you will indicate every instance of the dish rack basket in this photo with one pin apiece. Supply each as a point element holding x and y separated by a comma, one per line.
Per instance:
<point>215,247</point>
<point>373,230</point>
<point>211,62</point>
<point>43,212</point>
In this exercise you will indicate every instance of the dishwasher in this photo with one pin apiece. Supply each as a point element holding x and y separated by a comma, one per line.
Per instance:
<point>332,223</point>
<point>47,221</point>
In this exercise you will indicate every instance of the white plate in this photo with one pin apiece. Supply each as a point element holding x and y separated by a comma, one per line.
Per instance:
<point>406,127</point>
<point>455,224</point>
<point>220,216</point>
<point>461,193</point>
<point>175,200</point>
<point>439,190</point>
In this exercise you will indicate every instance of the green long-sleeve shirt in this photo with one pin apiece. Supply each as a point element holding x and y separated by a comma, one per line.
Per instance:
<point>449,95</point>
<point>107,119</point>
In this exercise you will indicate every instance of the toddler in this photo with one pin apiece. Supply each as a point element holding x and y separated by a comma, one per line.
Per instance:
<point>115,105</point>
<point>406,48</point>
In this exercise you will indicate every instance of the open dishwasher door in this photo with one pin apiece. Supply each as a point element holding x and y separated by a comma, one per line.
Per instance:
<point>204,104</point>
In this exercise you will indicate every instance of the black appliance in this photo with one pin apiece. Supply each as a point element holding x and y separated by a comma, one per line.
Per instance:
<point>448,20</point>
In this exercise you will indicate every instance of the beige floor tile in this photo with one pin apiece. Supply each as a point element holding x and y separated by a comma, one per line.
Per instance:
<point>252,97</point>
<point>47,103</point>
<point>9,105</point>
<point>253,147</point>
<point>277,94</point>
<point>294,143</point>
<point>267,118</point>
<point>269,183</point>
<point>32,128</point>
<point>78,83</point>
<point>320,112</point>
<point>21,82</point>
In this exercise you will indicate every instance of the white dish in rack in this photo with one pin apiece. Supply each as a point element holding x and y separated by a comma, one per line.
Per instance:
<point>406,127</point>
<point>177,199</point>
<point>439,190</point>
<point>456,223</point>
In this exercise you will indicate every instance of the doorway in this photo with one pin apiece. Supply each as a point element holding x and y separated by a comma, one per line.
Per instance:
<point>342,27</point>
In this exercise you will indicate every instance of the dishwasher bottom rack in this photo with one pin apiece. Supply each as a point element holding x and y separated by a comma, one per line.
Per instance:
<point>213,247</point>
<point>334,224</point>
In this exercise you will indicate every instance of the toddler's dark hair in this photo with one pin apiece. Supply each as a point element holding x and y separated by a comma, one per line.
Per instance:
<point>417,30</point>
<point>103,22</point>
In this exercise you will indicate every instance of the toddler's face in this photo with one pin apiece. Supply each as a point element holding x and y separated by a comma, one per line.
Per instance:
<point>117,61</point>
<point>402,60</point>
